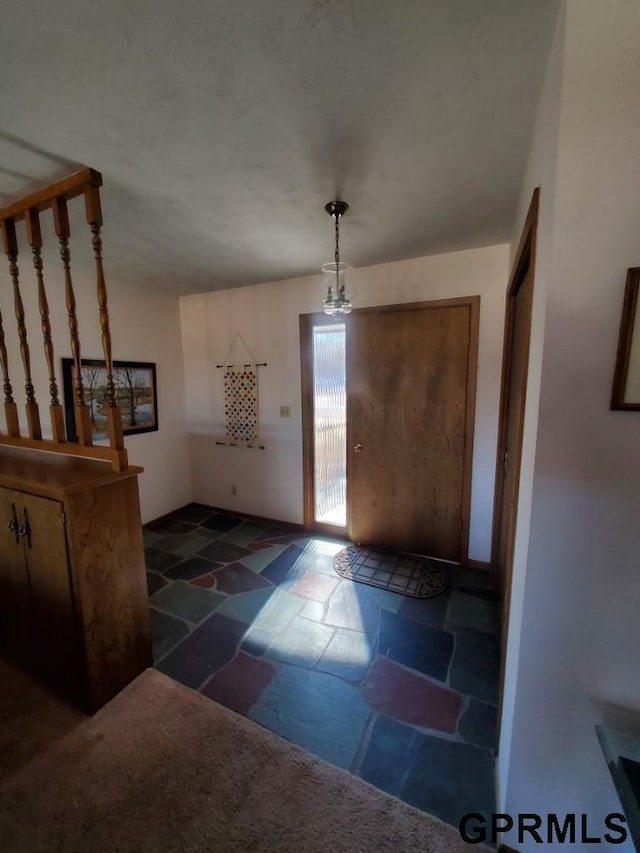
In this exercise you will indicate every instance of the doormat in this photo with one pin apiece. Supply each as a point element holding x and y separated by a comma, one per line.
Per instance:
<point>418,577</point>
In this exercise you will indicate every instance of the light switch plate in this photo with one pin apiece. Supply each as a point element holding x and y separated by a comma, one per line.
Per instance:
<point>285,411</point>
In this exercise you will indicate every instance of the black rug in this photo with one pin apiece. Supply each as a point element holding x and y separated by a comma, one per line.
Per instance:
<point>418,577</point>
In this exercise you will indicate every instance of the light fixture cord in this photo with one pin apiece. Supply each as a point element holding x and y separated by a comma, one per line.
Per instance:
<point>337,254</point>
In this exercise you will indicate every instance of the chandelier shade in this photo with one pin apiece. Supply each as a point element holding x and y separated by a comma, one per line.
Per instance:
<point>337,301</point>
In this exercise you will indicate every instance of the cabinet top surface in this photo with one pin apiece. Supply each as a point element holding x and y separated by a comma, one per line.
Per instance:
<point>54,475</point>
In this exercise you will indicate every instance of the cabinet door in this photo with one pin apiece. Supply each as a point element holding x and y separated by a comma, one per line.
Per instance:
<point>14,580</point>
<point>51,603</point>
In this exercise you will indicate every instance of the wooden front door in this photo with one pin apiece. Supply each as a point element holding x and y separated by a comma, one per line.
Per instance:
<point>411,373</point>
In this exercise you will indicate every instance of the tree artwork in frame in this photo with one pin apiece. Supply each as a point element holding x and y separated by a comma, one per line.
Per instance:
<point>136,395</point>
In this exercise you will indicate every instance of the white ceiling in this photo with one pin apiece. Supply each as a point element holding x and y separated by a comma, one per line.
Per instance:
<point>222,127</point>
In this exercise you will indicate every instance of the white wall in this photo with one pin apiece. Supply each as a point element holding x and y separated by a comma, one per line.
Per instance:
<point>269,482</point>
<point>540,173</point>
<point>579,622</point>
<point>145,326</point>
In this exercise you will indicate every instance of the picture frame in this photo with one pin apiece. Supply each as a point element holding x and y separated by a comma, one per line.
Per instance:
<point>625,395</point>
<point>136,394</point>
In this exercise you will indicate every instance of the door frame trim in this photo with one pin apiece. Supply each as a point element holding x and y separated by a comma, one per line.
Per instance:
<point>525,260</point>
<point>307,321</point>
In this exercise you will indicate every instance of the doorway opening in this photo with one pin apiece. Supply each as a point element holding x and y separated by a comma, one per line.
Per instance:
<point>513,398</point>
<point>329,425</point>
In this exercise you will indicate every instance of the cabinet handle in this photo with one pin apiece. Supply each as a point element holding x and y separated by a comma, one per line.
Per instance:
<point>12,527</point>
<point>25,528</point>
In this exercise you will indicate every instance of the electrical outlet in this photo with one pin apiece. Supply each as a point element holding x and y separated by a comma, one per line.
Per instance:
<point>285,411</point>
<point>234,490</point>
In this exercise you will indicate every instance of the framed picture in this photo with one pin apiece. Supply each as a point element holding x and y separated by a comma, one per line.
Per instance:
<point>626,380</point>
<point>136,395</point>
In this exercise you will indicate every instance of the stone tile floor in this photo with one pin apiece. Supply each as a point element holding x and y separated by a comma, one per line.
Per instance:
<point>399,691</point>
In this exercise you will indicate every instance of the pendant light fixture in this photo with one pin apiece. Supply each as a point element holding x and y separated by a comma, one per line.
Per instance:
<point>337,301</point>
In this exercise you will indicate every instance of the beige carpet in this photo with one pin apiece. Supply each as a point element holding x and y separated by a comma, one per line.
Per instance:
<point>32,717</point>
<point>161,768</point>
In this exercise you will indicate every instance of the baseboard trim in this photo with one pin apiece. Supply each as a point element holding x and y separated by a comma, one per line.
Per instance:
<point>260,519</point>
<point>288,525</point>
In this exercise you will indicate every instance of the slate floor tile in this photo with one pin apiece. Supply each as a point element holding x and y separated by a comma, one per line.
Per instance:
<point>206,650</point>
<point>348,655</point>
<point>191,567</point>
<point>167,525</point>
<point>236,578</point>
<point>487,594</point>
<point>257,641</point>
<point>278,570</point>
<point>150,538</point>
<point>316,557</point>
<point>478,724</point>
<point>450,779</point>
<point>258,560</point>
<point>274,531</point>
<point>400,693</point>
<point>209,535</point>
<point>475,667</point>
<point>278,612</point>
<point>221,523</point>
<point>471,611</point>
<point>427,611</point>
<point>390,755</point>
<point>316,586</point>
<point>196,542</point>
<point>194,513</point>
<point>285,539</point>
<point>244,533</point>
<point>186,601</point>
<point>419,647</point>
<point>166,631</point>
<point>173,541</point>
<point>206,582</point>
<point>159,561</point>
<point>385,598</point>
<point>313,610</point>
<point>154,582</point>
<point>247,606</point>
<point>260,546</point>
<point>303,642</point>
<point>220,551</point>
<point>319,712</point>
<point>324,547</point>
<point>184,544</point>
<point>350,607</point>
<point>462,576</point>
<point>240,683</point>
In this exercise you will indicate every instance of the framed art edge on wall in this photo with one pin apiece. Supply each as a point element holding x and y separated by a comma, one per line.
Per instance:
<point>626,379</point>
<point>136,391</point>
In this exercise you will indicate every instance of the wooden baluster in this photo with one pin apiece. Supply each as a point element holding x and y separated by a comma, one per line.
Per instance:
<point>34,238</point>
<point>94,219</point>
<point>63,232</point>
<point>10,408</point>
<point>11,250</point>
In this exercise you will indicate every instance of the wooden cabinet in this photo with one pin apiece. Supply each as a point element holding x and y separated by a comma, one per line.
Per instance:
<point>73,601</point>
